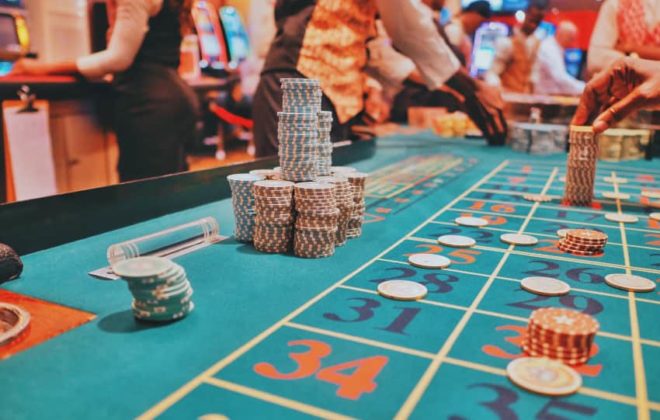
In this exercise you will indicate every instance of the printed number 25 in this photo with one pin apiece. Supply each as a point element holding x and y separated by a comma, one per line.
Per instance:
<point>351,385</point>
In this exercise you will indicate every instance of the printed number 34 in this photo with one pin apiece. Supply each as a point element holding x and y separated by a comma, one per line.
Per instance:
<point>309,362</point>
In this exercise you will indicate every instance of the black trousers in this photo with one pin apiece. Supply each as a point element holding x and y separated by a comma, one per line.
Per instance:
<point>155,117</point>
<point>268,102</point>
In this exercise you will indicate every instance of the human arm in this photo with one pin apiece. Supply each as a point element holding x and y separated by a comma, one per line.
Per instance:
<point>648,52</point>
<point>626,86</point>
<point>503,52</point>
<point>550,74</point>
<point>131,26</point>
<point>413,33</point>
<point>602,46</point>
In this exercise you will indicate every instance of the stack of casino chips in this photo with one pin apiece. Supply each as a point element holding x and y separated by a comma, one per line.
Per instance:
<point>161,290</point>
<point>268,174</point>
<point>325,143</point>
<point>581,166</point>
<point>298,129</point>
<point>316,221</point>
<point>343,193</point>
<point>560,334</point>
<point>243,203</point>
<point>358,182</point>
<point>583,242</point>
<point>273,228</point>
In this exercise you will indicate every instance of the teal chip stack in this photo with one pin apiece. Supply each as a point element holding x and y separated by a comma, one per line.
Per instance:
<point>298,130</point>
<point>243,203</point>
<point>161,290</point>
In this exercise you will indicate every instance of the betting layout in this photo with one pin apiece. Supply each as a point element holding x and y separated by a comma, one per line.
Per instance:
<point>362,348</point>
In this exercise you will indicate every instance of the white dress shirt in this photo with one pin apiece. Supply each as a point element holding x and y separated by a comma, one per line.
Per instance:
<point>605,36</point>
<point>386,65</point>
<point>504,54</point>
<point>131,24</point>
<point>423,44</point>
<point>549,74</point>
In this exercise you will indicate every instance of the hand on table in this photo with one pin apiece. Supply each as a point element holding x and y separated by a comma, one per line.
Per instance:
<point>485,109</point>
<point>627,85</point>
<point>29,67</point>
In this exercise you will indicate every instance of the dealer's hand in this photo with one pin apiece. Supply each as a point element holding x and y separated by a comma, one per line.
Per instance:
<point>627,85</point>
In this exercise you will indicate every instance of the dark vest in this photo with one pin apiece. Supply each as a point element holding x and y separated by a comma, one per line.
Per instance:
<point>162,42</point>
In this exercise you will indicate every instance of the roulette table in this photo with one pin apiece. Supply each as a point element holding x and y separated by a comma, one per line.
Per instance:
<point>274,336</point>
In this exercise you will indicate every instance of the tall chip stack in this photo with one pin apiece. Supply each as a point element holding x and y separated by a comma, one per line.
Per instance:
<point>560,334</point>
<point>298,129</point>
<point>581,166</point>
<point>343,194</point>
<point>325,143</point>
<point>273,229</point>
<point>358,181</point>
<point>316,221</point>
<point>243,203</point>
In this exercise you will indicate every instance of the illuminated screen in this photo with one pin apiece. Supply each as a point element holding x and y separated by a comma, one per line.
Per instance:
<point>237,38</point>
<point>502,5</point>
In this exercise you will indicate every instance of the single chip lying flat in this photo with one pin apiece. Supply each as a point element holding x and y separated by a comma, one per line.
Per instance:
<point>616,195</point>
<point>543,376</point>
<point>538,198</point>
<point>630,282</point>
<point>621,218</point>
<point>471,221</point>
<point>615,180</point>
<point>516,239</point>
<point>545,286</point>
<point>562,232</point>
<point>429,261</point>
<point>655,216</point>
<point>651,194</point>
<point>456,241</point>
<point>402,290</point>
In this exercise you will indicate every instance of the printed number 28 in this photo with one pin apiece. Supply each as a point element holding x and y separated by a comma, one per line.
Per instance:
<point>351,385</point>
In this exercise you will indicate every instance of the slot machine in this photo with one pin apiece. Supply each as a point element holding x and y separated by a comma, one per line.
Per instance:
<point>213,48</point>
<point>236,37</point>
<point>483,52</point>
<point>14,35</point>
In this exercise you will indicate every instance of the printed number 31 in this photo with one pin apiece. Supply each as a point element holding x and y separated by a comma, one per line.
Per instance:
<point>351,385</point>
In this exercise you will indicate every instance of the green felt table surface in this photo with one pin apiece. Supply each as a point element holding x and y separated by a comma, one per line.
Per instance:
<point>446,356</point>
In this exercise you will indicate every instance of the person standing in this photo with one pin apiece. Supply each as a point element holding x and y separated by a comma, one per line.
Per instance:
<point>326,40</point>
<point>515,55</point>
<point>624,27</point>
<point>462,28</point>
<point>155,110</point>
<point>550,76</point>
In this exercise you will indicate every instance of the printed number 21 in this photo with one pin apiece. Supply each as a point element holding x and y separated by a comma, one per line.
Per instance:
<point>351,385</point>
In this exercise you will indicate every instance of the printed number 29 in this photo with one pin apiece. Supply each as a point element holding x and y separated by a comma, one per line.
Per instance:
<point>351,385</point>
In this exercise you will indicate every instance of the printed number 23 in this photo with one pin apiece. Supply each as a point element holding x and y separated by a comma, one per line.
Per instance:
<point>351,385</point>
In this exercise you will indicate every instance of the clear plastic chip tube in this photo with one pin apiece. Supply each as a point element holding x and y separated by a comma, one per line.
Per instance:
<point>168,243</point>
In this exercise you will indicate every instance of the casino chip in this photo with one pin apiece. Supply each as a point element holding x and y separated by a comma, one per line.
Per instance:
<point>562,233</point>
<point>13,321</point>
<point>319,218</point>
<point>538,198</point>
<point>516,239</point>
<point>655,216</point>
<point>456,241</point>
<point>543,376</point>
<point>358,181</point>
<point>630,282</point>
<point>621,218</point>
<point>402,290</point>
<point>583,242</point>
<point>616,195</point>
<point>429,261</point>
<point>560,334</point>
<point>615,180</point>
<point>471,221</point>
<point>243,202</point>
<point>581,166</point>
<point>160,288</point>
<point>545,286</point>
<point>651,194</point>
<point>273,220</point>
